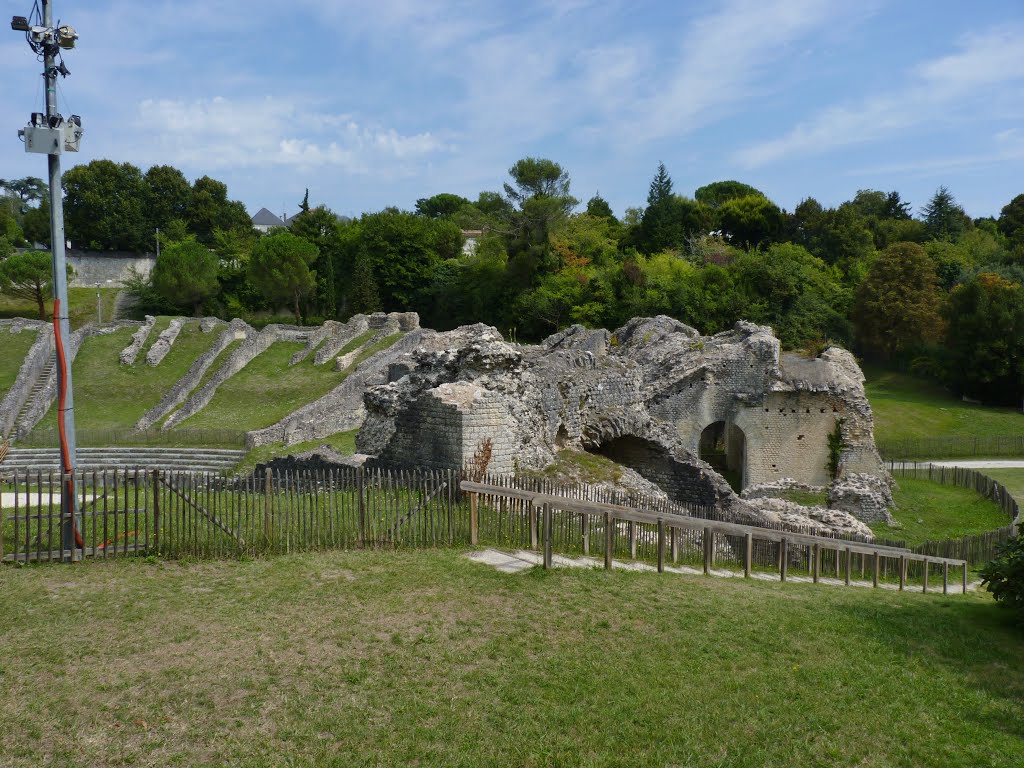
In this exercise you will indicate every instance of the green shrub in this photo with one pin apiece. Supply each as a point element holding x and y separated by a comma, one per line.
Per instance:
<point>1004,576</point>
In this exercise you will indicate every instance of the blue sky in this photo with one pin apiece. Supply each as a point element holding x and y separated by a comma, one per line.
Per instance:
<point>371,103</point>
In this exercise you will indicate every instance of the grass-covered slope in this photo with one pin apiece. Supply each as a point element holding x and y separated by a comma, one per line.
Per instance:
<point>266,391</point>
<point>82,303</point>
<point>928,511</point>
<point>423,658</point>
<point>109,395</point>
<point>13,348</point>
<point>907,407</point>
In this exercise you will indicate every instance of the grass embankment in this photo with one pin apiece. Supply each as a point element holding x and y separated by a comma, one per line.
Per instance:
<point>1011,479</point>
<point>928,511</point>
<point>343,442</point>
<point>13,348</point>
<point>382,658</point>
<point>111,396</point>
<point>906,407</point>
<point>268,389</point>
<point>81,304</point>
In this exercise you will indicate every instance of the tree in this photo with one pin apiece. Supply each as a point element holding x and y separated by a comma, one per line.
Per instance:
<point>28,275</point>
<point>750,221</point>
<point>28,189</point>
<point>304,205</point>
<point>36,223</point>
<point>209,210</point>
<point>897,304</point>
<point>185,274</point>
<point>1011,221</point>
<point>104,206</point>
<point>659,228</point>
<point>943,218</point>
<point>986,339</point>
<point>167,195</point>
<point>598,207</point>
<point>319,226</point>
<point>718,193</point>
<point>280,269</point>
<point>444,204</point>
<point>538,178</point>
<point>363,296</point>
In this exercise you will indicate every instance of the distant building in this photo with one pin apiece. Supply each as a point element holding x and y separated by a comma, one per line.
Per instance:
<point>264,220</point>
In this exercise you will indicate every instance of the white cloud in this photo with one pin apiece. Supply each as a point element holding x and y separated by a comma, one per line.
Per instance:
<point>239,133</point>
<point>938,90</point>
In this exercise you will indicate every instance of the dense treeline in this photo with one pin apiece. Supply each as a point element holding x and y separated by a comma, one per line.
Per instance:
<point>939,293</point>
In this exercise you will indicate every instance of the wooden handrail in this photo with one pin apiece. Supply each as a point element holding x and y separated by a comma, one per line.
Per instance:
<point>629,514</point>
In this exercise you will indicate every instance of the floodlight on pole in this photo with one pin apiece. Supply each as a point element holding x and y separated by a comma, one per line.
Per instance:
<point>50,134</point>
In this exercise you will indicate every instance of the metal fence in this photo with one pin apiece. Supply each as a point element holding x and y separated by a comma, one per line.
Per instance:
<point>986,446</point>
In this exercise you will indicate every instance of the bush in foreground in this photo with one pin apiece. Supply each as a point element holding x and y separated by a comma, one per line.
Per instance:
<point>1004,576</point>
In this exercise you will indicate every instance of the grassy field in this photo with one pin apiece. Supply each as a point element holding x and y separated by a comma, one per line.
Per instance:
<point>423,658</point>
<point>82,303</point>
<point>109,395</point>
<point>927,511</point>
<point>1012,479</point>
<point>906,407</point>
<point>268,389</point>
<point>343,442</point>
<point>15,347</point>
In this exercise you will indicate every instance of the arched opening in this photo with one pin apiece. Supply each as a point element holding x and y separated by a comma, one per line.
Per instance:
<point>683,482</point>
<point>724,447</point>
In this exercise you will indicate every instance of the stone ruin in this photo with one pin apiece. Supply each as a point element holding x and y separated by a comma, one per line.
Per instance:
<point>681,409</point>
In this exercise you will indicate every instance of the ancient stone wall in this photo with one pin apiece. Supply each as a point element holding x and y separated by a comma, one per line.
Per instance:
<point>109,269</point>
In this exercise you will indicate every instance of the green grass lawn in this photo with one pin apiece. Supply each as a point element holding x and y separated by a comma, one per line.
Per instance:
<point>907,407</point>
<point>1012,479</point>
<point>343,442</point>
<point>82,303</point>
<point>423,658</point>
<point>266,391</point>
<point>109,395</point>
<point>928,511</point>
<point>15,347</point>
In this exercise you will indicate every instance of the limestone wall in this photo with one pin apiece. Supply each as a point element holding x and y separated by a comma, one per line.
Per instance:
<point>108,268</point>
<point>164,342</point>
<point>131,352</point>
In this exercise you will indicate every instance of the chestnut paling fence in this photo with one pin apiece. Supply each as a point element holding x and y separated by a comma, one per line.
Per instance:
<point>190,515</point>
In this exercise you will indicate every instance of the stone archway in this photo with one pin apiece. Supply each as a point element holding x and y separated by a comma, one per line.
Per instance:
<point>724,446</point>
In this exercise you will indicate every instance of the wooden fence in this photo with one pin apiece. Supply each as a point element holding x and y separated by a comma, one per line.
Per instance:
<point>930,448</point>
<point>186,515</point>
<point>979,548</point>
<point>575,526</point>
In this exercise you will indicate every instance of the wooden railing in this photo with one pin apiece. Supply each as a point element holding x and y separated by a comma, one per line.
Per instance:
<point>540,507</point>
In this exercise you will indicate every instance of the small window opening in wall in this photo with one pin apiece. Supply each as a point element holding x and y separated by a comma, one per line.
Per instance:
<point>792,410</point>
<point>835,410</point>
<point>782,410</point>
<point>822,410</point>
<point>766,410</point>
<point>799,437</point>
<point>808,410</point>
<point>773,466</point>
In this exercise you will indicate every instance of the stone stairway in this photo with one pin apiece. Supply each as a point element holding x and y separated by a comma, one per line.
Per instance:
<point>37,387</point>
<point>213,460</point>
<point>124,303</point>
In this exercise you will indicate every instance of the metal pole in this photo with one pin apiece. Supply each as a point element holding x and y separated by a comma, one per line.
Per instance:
<point>65,392</point>
<point>99,306</point>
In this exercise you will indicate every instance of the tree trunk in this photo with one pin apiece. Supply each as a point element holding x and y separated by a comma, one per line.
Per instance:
<point>41,302</point>
<point>298,315</point>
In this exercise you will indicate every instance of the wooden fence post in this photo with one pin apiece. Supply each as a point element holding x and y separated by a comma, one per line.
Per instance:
<point>815,562</point>
<point>268,519</point>
<point>903,572</point>
<point>783,558</point>
<point>848,555</point>
<point>156,512</point>
<point>632,539</point>
<point>674,545</point>
<point>661,545</point>
<point>874,576</point>
<point>609,541</point>
<point>532,511</point>
<point>547,535</point>
<point>965,578</point>
<point>708,546</point>
<point>925,589</point>
<point>748,554</point>
<point>474,522</point>
<point>360,486</point>
<point>945,578</point>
